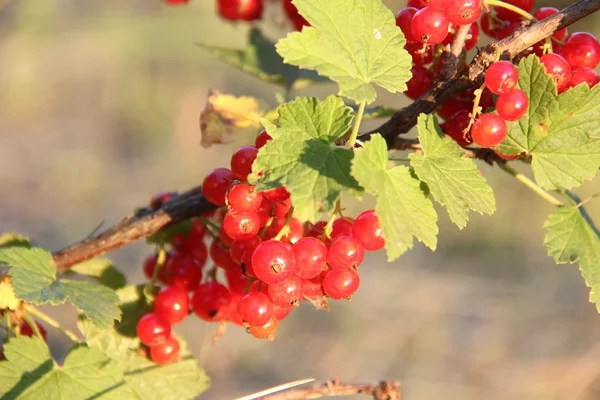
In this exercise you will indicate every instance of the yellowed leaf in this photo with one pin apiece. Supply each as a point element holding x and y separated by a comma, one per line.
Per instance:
<point>7,295</point>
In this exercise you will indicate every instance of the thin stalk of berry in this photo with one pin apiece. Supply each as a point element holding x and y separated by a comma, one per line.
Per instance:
<point>329,227</point>
<point>357,121</point>
<point>52,322</point>
<point>212,228</point>
<point>286,227</point>
<point>160,261</point>
<point>399,159</point>
<point>476,108</point>
<point>530,184</point>
<point>27,318</point>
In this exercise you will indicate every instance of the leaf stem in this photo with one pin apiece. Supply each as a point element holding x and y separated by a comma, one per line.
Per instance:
<point>530,184</point>
<point>52,322</point>
<point>328,228</point>
<point>160,261</point>
<point>402,159</point>
<point>359,115</point>
<point>286,227</point>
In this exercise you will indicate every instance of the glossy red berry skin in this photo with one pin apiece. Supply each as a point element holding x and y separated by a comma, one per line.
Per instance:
<point>292,13</point>
<point>172,304</point>
<point>165,352</point>
<point>367,230</point>
<point>215,185</point>
<point>219,254</point>
<point>463,12</point>
<point>242,160</point>
<point>588,76</point>
<point>184,269</point>
<point>279,194</point>
<point>243,198</point>
<point>152,329</point>
<point>312,288</point>
<point>499,31</point>
<point>236,280</point>
<point>488,130</point>
<point>281,313</point>
<point>247,10</point>
<point>149,265</point>
<point>241,226</point>
<point>273,261</point>
<point>210,301</point>
<point>421,80</point>
<point>501,77</point>
<point>341,226</point>
<point>437,4</point>
<point>287,293</point>
<point>27,331</point>
<point>544,13</point>
<point>507,15</point>
<point>239,247</point>
<point>455,128</point>
<point>513,105</point>
<point>429,26</point>
<point>261,139</point>
<point>311,257</point>
<point>558,68</point>
<point>344,253</point>
<point>266,331</point>
<point>403,21</point>
<point>421,54</point>
<point>415,4</point>
<point>256,308</point>
<point>339,284</point>
<point>581,50</point>
<point>452,106</point>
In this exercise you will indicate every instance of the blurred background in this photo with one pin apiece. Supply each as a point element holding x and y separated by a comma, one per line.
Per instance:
<point>99,109</point>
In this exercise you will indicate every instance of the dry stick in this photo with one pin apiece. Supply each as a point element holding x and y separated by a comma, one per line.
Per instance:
<point>382,391</point>
<point>527,36</point>
<point>451,58</point>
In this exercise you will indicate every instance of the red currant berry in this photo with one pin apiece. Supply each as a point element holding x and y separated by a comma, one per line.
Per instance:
<point>403,20</point>
<point>243,198</point>
<point>512,106</point>
<point>262,139</point>
<point>588,76</point>
<point>273,262</point>
<point>242,160</point>
<point>367,231</point>
<point>456,126</point>
<point>312,288</point>
<point>240,247</point>
<point>488,130</point>
<point>225,239</point>
<point>215,186</point>
<point>544,13</point>
<point>184,270</point>
<point>419,83</point>
<point>499,30</point>
<point>415,4</point>
<point>149,265</point>
<point>266,331</point>
<point>279,194</point>
<point>153,329</point>
<point>345,252</point>
<point>281,208</point>
<point>287,293</point>
<point>165,352</point>
<point>258,286</point>
<point>421,53</point>
<point>558,68</point>
<point>27,331</point>
<point>197,231</point>
<point>508,15</point>
<point>219,253</point>
<point>292,13</point>
<point>341,226</point>
<point>429,26</point>
<point>247,10</point>
<point>241,226</point>
<point>581,50</point>
<point>211,301</point>
<point>265,211</point>
<point>281,312</point>
<point>256,309</point>
<point>341,284</point>
<point>234,305</point>
<point>452,106</point>
<point>437,4</point>
<point>236,280</point>
<point>463,12</point>
<point>311,257</point>
<point>172,304</point>
<point>315,230</point>
<point>501,76</point>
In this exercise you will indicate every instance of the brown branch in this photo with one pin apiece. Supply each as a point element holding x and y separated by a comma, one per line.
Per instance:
<point>386,390</point>
<point>451,57</point>
<point>145,222</point>
<point>487,155</point>
<point>510,47</point>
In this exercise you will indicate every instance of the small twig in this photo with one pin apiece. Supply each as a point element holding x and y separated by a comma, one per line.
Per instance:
<point>386,390</point>
<point>451,58</point>
<point>357,121</point>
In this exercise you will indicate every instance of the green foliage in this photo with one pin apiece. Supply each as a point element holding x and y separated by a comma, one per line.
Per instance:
<point>13,240</point>
<point>103,270</point>
<point>34,280</point>
<point>403,209</point>
<point>143,378</point>
<point>454,180</point>
<point>303,158</point>
<point>133,306</point>
<point>560,132</point>
<point>356,43</point>
<point>571,236</point>
<point>30,373</point>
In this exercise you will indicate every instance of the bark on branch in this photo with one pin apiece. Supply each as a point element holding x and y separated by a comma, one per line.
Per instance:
<point>382,391</point>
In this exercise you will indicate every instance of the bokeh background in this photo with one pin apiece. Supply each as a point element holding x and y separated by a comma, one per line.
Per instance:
<point>99,108</point>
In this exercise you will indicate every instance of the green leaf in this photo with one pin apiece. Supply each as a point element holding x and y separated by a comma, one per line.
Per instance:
<point>133,306</point>
<point>571,236</point>
<point>403,209</point>
<point>34,280</point>
<point>303,158</point>
<point>14,240</point>
<point>354,42</point>
<point>454,180</point>
<point>179,380</point>
<point>30,373</point>
<point>260,59</point>
<point>560,132</point>
<point>103,270</point>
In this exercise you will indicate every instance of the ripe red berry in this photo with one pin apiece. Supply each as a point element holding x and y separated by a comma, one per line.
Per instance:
<point>419,83</point>
<point>236,280</point>
<point>255,308</point>
<point>403,20</point>
<point>153,329</point>
<point>241,226</point>
<point>261,139</point>
<point>287,293</point>
<point>415,4</point>
<point>581,50</point>
<point>279,194</point>
<point>455,128</point>
<point>315,230</point>
<point>266,331</point>
<point>512,106</point>
<point>172,304</point>
<point>367,231</point>
<point>341,226</point>
<point>219,254</point>
<point>281,312</point>
<point>488,130</point>
<point>544,13</point>
<point>500,29</point>
<point>429,26</point>
<point>421,53</point>
<point>344,253</point>
<point>149,265</point>
<point>452,106</point>
<point>215,185</point>
<point>165,352</point>
<point>240,247</point>
<point>273,261</point>
<point>242,160</point>
<point>211,301</point>
<point>463,12</point>
<point>558,68</point>
<point>247,10</point>
<point>27,331</point>
<point>588,76</point>
<point>339,284</point>
<point>501,76</point>
<point>184,269</point>
<point>311,257</point>
<point>292,13</point>
<point>507,15</point>
<point>312,288</point>
<point>437,4</point>
<point>243,198</point>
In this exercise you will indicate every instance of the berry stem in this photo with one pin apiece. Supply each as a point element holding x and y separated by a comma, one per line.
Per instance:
<point>52,322</point>
<point>329,226</point>
<point>160,261</point>
<point>212,228</point>
<point>359,115</point>
<point>286,227</point>
<point>530,184</point>
<point>399,159</point>
<point>476,109</point>
<point>510,7</point>
<point>27,318</point>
